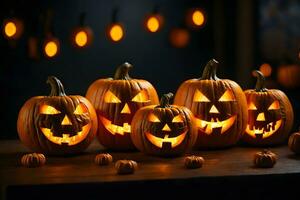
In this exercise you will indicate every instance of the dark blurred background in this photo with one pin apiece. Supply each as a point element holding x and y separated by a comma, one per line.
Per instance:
<point>242,35</point>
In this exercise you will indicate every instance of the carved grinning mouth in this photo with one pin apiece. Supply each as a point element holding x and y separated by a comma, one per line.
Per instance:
<point>265,131</point>
<point>66,139</point>
<point>208,127</point>
<point>115,129</point>
<point>157,141</point>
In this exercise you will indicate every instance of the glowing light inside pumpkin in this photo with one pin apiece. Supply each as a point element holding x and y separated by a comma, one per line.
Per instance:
<point>264,132</point>
<point>252,106</point>
<point>126,109</point>
<point>166,128</point>
<point>116,32</point>
<point>10,29</point>
<point>200,97</point>
<point>66,121</point>
<point>153,24</point>
<point>274,106</point>
<point>51,48</point>
<point>80,109</point>
<point>198,18</point>
<point>208,127</point>
<point>157,141</point>
<point>141,97</point>
<point>261,117</point>
<point>213,109</point>
<point>109,97</point>
<point>177,119</point>
<point>115,129</point>
<point>66,139</point>
<point>266,69</point>
<point>81,38</point>
<point>48,110</point>
<point>227,96</point>
<point>153,118</point>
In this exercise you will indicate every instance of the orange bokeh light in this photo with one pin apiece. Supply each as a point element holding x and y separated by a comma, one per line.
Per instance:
<point>51,48</point>
<point>198,18</point>
<point>81,39</point>
<point>266,69</point>
<point>116,32</point>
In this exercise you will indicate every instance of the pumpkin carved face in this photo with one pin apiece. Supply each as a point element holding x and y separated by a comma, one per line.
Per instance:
<point>116,101</point>
<point>57,124</point>
<point>64,125</point>
<point>164,130</point>
<point>219,107</point>
<point>270,115</point>
<point>215,122</point>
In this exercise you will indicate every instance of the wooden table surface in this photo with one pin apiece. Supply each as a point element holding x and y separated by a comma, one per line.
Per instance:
<point>222,167</point>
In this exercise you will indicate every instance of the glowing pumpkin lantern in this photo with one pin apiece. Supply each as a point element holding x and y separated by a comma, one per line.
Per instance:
<point>164,130</point>
<point>57,124</point>
<point>116,101</point>
<point>270,115</point>
<point>220,108</point>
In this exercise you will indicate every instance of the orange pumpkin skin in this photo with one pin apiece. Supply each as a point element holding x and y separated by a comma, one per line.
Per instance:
<point>116,101</point>
<point>219,106</point>
<point>34,125</point>
<point>157,136</point>
<point>276,111</point>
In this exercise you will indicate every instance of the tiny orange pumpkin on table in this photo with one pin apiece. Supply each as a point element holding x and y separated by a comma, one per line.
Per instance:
<point>57,124</point>
<point>270,115</point>
<point>116,101</point>
<point>164,129</point>
<point>219,106</point>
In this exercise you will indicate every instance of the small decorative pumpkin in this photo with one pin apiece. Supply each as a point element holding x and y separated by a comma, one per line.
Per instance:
<point>33,160</point>
<point>219,106</point>
<point>126,166</point>
<point>294,142</point>
<point>193,162</point>
<point>57,124</point>
<point>270,115</point>
<point>164,130</point>
<point>116,101</point>
<point>103,159</point>
<point>265,159</point>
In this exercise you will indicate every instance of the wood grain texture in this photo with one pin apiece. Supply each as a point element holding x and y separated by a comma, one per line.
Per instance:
<point>235,164</point>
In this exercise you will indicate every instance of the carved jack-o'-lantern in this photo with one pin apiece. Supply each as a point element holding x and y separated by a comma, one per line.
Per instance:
<point>219,106</point>
<point>164,130</point>
<point>116,101</point>
<point>57,124</point>
<point>270,115</point>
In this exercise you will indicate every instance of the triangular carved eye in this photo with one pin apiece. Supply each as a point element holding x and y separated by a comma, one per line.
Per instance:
<point>274,106</point>
<point>177,119</point>
<point>252,106</point>
<point>80,109</point>
<point>48,110</point>
<point>153,118</point>
<point>200,97</point>
<point>141,97</point>
<point>227,96</point>
<point>110,97</point>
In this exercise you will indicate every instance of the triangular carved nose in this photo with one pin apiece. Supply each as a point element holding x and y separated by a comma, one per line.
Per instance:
<point>66,121</point>
<point>126,109</point>
<point>213,109</point>
<point>261,117</point>
<point>166,128</point>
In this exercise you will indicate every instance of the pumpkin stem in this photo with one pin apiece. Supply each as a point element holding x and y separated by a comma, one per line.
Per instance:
<point>165,100</point>
<point>210,70</point>
<point>57,88</point>
<point>260,82</point>
<point>122,72</point>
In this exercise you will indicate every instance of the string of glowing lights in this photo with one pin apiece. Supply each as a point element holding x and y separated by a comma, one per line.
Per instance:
<point>82,35</point>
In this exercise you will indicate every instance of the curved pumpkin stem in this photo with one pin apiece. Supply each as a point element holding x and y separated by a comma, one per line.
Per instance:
<point>210,70</point>
<point>122,72</point>
<point>260,82</point>
<point>165,100</point>
<point>57,88</point>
